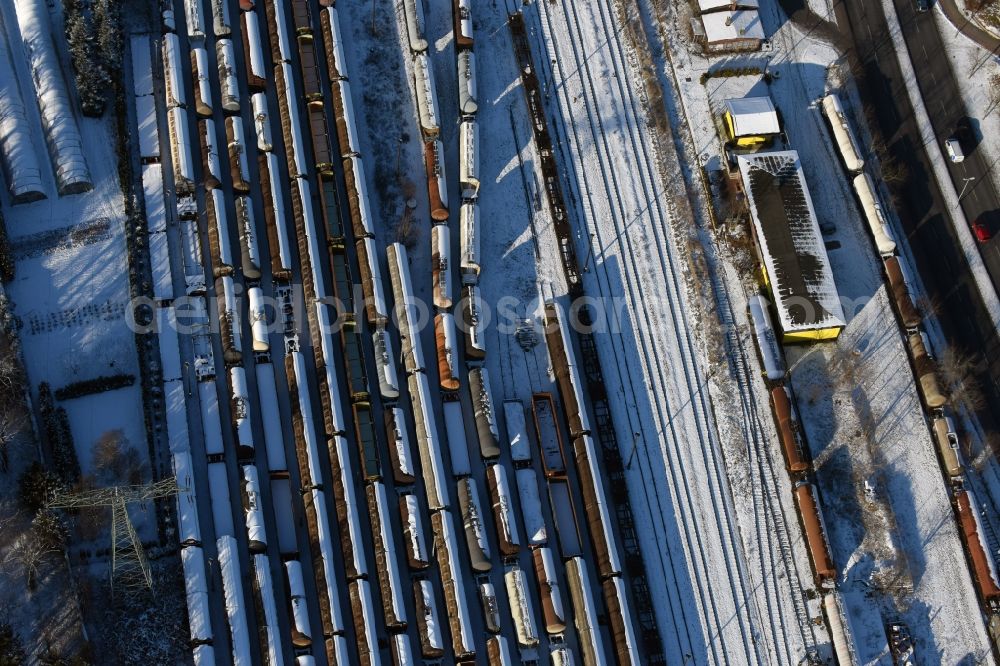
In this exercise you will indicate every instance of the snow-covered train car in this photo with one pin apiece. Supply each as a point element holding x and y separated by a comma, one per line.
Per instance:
<point>898,288</point>
<point>482,406</point>
<point>400,455</point>
<point>503,510</point>
<point>407,318</point>
<point>767,341</point>
<point>176,407</point>
<point>302,198</point>
<point>864,187</point>
<point>365,627</point>
<point>203,655</point>
<point>428,623</point>
<point>274,216</point>
<point>452,580</point>
<point>222,508</point>
<point>247,229</point>
<point>201,82</point>
<point>437,182</point>
<point>306,444</point>
<point>273,646</point>
<point>236,142</point>
<point>531,507</point>
<point>386,560</point>
<point>441,266</point>
<point>467,90</point>
<point>159,265</point>
<point>335,422</point>
<point>262,123</point>
<point>258,320</point>
<point>250,491</point>
<point>196,593</point>
<point>470,257</point>
<point>221,25</point>
<point>348,509</point>
<point>596,507</point>
<point>20,162</point>
<point>336,61</point>
<point>385,362</point>
<point>254,64</point>
<point>947,440</point>
<point>291,127</point>
<point>328,563</point>
<point>561,656</point>
<point>211,166</point>
<point>152,195</point>
<point>585,613</point>
<point>402,653</point>
<point>145,117</point>
<point>847,143</point>
<point>566,370</point>
<point>229,321</point>
<point>428,443</point>
<point>219,248</point>
<point>180,151</point>
<point>458,445</point>
<point>274,441</point>
<point>301,628</point>
<point>62,134</point>
<point>236,611</point>
<point>521,610</point>
<point>517,431</point>
<point>226,62</point>
<point>344,118</point>
<point>839,636</point>
<point>473,324</point>
<point>472,520</point>
<point>279,31</point>
<point>468,158</point>
<point>376,311</point>
<point>462,15</point>
<point>413,532</point>
<point>173,84</point>
<point>428,112</point>
<point>553,612</point>
<point>447,351</point>
<point>931,392</point>
<point>623,638</point>
<point>358,203</point>
<point>210,419</point>
<point>194,19</point>
<point>565,518</point>
<point>413,10</point>
<point>364,432</point>
<point>188,527</point>
<point>491,607</point>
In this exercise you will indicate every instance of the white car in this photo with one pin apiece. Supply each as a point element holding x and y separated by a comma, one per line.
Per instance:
<point>954,150</point>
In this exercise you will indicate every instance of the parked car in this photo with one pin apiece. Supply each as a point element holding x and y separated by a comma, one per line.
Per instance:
<point>953,147</point>
<point>923,5</point>
<point>981,230</point>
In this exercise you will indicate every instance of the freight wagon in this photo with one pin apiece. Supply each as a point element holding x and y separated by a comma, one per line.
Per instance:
<point>211,167</point>
<point>564,367</point>
<point>623,637</point>
<point>240,408</point>
<point>843,135</point>
<point>864,187</point>
<point>472,520</point>
<point>376,312</point>
<point>385,363</point>
<point>521,611</point>
<point>927,381</point>
<point>298,611</point>
<point>364,431</point>
<point>200,82</point>
<point>585,613</point>
<point>229,87</point>
<point>482,406</point>
<point>789,431</point>
<point>254,64</point>
<point>491,607</point>
<point>428,624</point>
<point>898,289</point>
<point>336,61</point>
<point>437,183</point>
<point>413,11</point>
<point>400,456</point>
<point>447,351</point>
<point>386,561</point>
<point>413,533</point>
<point>344,119</point>
<point>441,267</point>
<point>553,612</point>
<point>596,508</point>
<point>549,438</point>
<point>458,445</point>
<point>428,443</point>
<point>462,13</point>
<point>427,104</point>
<point>467,89</point>
<point>474,325</point>
<point>452,580</point>
<point>503,510</point>
<point>531,507</point>
<point>815,532</point>
<point>468,159</point>
<point>249,250</point>
<point>406,312</point>
<point>470,264</point>
<point>365,629</point>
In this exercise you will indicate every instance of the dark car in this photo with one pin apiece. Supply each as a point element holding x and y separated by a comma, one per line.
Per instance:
<point>923,5</point>
<point>981,230</point>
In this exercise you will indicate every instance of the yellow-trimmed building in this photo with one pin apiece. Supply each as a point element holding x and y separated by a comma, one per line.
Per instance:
<point>790,246</point>
<point>751,122</point>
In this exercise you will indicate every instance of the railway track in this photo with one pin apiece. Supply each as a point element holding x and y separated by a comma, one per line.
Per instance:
<point>693,376</point>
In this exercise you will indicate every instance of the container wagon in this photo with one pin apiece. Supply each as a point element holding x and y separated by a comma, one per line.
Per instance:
<point>549,438</point>
<point>815,530</point>
<point>789,432</point>
<point>458,445</point>
<point>427,104</point>
<point>553,612</point>
<point>200,82</point>
<point>472,520</point>
<point>467,89</point>
<point>462,11</point>
<point>457,610</point>
<point>229,87</point>
<point>385,362</point>
<point>596,508</point>
<point>400,456</point>
<point>437,184</point>
<point>441,267</point>
<point>503,511</point>
<point>447,351</point>
<point>908,313</point>
<point>521,610</point>
<point>491,607</point>
<point>413,533</point>
<point>984,568</point>
<point>468,159</point>
<point>413,10</point>
<point>864,187</point>
<point>926,372</point>
<point>336,61</point>
<point>364,429</point>
<point>472,312</point>
<point>470,264</point>
<point>406,312</point>
<point>947,441</point>
<point>517,431</point>
<point>254,64</point>
<point>531,507</point>
<point>847,144</point>
<point>584,613</point>
<point>767,341</point>
<point>386,562</point>
<point>428,624</point>
<point>482,406</point>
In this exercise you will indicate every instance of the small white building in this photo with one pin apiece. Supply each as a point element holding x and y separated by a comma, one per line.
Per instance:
<point>751,121</point>
<point>732,30</point>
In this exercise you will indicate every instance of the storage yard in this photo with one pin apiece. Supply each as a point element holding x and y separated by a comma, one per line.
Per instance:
<point>454,359</point>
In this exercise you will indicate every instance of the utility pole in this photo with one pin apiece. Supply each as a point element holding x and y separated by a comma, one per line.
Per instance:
<point>965,186</point>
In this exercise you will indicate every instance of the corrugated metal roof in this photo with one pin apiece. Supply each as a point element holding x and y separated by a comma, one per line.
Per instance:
<point>794,255</point>
<point>753,116</point>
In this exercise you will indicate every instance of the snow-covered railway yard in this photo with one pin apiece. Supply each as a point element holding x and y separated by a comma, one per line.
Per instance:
<point>432,480</point>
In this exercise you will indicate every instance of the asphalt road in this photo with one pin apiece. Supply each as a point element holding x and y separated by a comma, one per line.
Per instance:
<point>951,289</point>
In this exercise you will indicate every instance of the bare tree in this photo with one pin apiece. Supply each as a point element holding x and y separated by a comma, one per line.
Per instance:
<point>956,370</point>
<point>12,423</point>
<point>115,460</point>
<point>46,537</point>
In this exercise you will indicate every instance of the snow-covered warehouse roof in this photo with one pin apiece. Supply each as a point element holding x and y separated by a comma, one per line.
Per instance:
<point>727,26</point>
<point>753,116</point>
<point>790,243</point>
<point>715,5</point>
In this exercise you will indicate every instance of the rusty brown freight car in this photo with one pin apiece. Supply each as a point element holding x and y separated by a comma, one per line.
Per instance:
<point>908,314</point>
<point>796,459</point>
<point>816,541</point>
<point>983,568</point>
<point>311,90</point>
<point>553,612</point>
<point>320,142</point>
<point>301,17</point>
<point>437,191</point>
